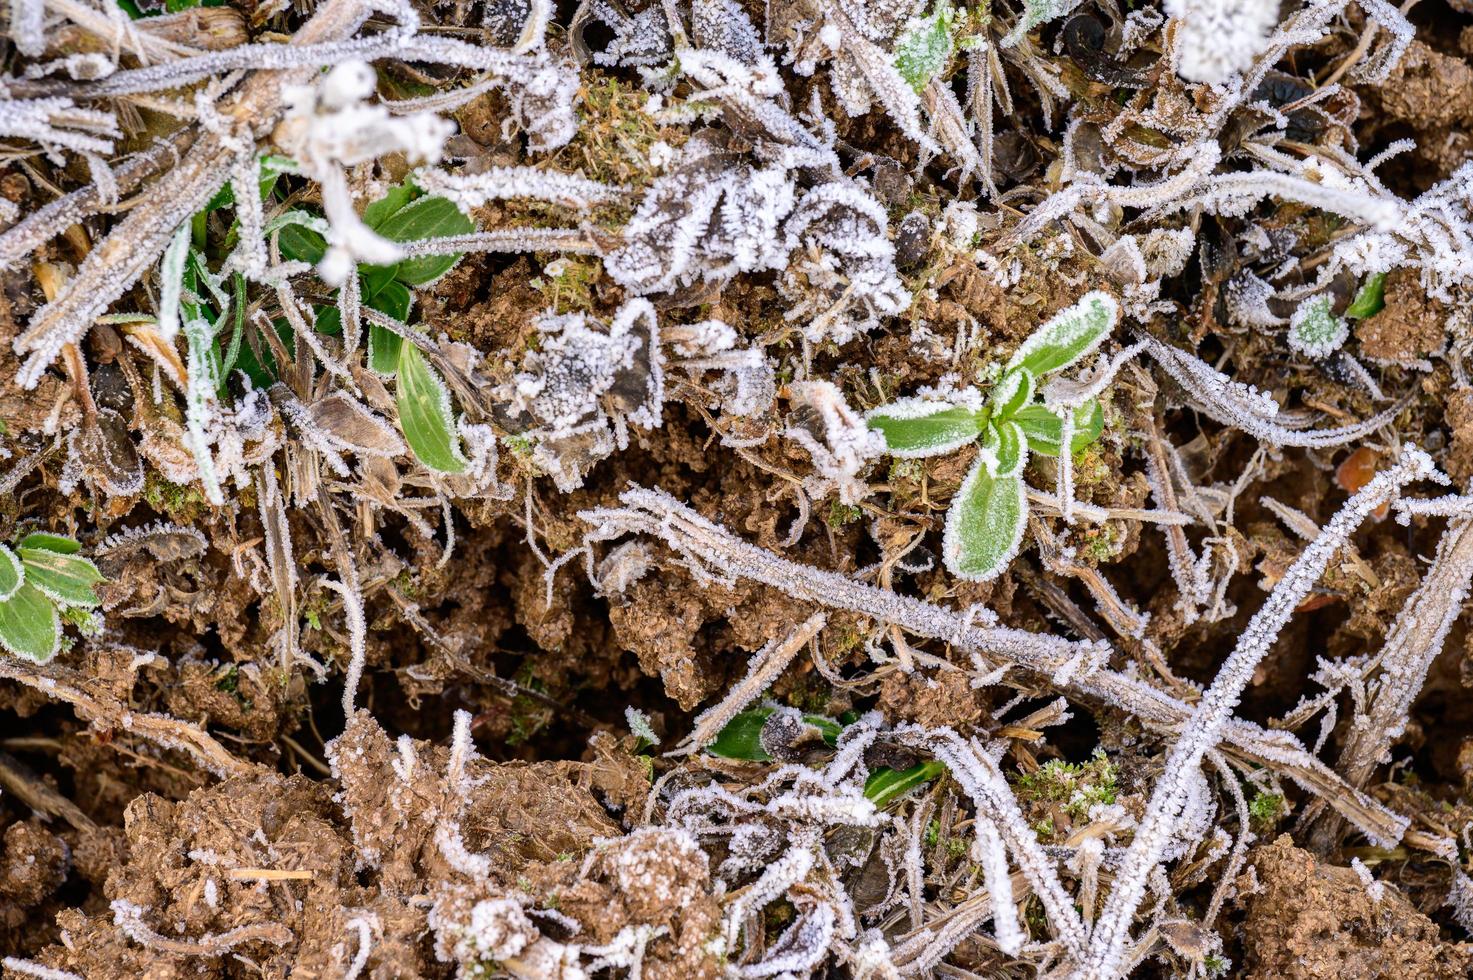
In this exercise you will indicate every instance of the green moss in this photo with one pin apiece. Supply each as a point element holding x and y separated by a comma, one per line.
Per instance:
<point>182,504</point>
<point>840,515</point>
<point>956,847</point>
<point>1078,786</point>
<point>1264,811</point>
<point>568,283</point>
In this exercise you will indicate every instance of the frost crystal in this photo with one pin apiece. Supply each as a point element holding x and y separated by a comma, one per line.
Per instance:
<point>1216,39</point>
<point>578,391</point>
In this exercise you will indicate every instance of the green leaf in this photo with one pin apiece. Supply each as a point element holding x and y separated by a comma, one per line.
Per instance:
<point>917,427</point>
<point>300,243</point>
<point>924,48</point>
<point>11,573</point>
<point>393,300</point>
<point>58,543</point>
<point>742,736</point>
<point>1004,449</point>
<point>984,526</point>
<point>29,625</point>
<point>1044,429</point>
<point>381,210</point>
<point>67,579</point>
<point>1013,391</point>
<point>428,217</point>
<point>425,413</point>
<point>1070,335</point>
<point>1370,300</point>
<point>886,785</point>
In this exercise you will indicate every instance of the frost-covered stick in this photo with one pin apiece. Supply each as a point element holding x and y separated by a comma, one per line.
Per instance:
<point>506,183</point>
<point>351,590</point>
<point>571,240</point>
<point>1240,845</point>
<point>766,664</point>
<point>1238,405</point>
<point>1205,728</point>
<point>1413,643</point>
<point>1191,580</point>
<point>64,684</point>
<point>979,776</point>
<point>118,261</point>
<point>46,223</point>
<point>1238,192</point>
<point>30,968</point>
<point>364,927</point>
<point>276,532</point>
<point>999,884</point>
<point>699,541</point>
<point>1099,515</point>
<point>128,917</point>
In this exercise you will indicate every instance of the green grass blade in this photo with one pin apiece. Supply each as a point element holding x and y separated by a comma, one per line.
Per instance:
<point>425,413</point>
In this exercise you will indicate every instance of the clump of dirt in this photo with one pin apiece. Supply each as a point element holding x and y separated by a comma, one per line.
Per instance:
<point>1409,329</point>
<point>1307,920</point>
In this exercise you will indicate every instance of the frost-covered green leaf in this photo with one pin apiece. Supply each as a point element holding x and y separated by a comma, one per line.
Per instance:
<point>68,579</point>
<point>918,427</point>
<point>1315,330</point>
<point>428,217</point>
<point>1013,391</point>
<point>11,573</point>
<point>425,414</point>
<point>1070,335</point>
<point>29,625</point>
<point>1004,449</point>
<point>200,402</point>
<point>886,785</point>
<point>387,206</point>
<point>171,282</point>
<point>59,543</point>
<point>1036,12</point>
<point>742,736</point>
<point>984,526</point>
<point>1370,299</point>
<point>1044,429</point>
<point>925,46</point>
<point>393,299</point>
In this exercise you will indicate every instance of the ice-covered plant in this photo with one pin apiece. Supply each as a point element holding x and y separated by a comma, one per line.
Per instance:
<point>984,526</point>
<point>1314,329</point>
<point>925,46</point>
<point>754,734</point>
<point>42,580</point>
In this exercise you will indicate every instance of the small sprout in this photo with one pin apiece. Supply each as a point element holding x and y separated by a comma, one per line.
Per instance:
<point>1216,966</point>
<point>42,580</point>
<point>984,526</point>
<point>1314,330</point>
<point>1370,299</point>
<point>884,785</point>
<point>742,736</point>
<point>639,724</point>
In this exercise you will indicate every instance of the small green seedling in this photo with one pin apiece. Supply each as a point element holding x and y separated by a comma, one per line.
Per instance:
<point>985,524</point>
<point>426,414</point>
<point>42,579</point>
<point>742,739</point>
